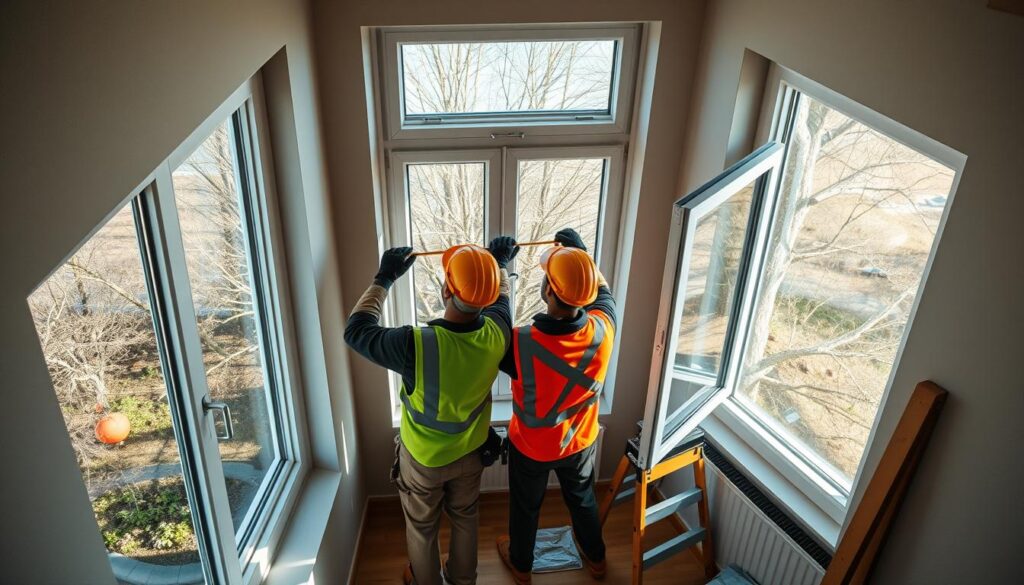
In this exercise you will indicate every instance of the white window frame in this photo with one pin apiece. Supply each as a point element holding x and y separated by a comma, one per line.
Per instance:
<point>611,193</point>
<point>502,141</point>
<point>227,557</point>
<point>761,168</point>
<point>810,474</point>
<point>615,121</point>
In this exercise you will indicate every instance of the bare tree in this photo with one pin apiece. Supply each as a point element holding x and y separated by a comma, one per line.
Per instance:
<point>446,78</point>
<point>841,177</point>
<point>92,317</point>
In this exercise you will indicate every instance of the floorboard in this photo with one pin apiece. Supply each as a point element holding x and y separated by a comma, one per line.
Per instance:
<point>382,550</point>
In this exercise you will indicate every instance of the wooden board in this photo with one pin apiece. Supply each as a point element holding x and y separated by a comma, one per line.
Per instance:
<point>1011,6</point>
<point>873,517</point>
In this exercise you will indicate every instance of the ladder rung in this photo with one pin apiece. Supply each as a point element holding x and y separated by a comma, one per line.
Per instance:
<point>671,547</point>
<point>623,496</point>
<point>668,507</point>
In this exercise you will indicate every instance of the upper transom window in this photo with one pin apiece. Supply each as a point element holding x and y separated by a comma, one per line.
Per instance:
<point>507,78</point>
<point>546,80</point>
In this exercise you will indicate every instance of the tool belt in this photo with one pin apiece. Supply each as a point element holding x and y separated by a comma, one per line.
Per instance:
<point>495,447</point>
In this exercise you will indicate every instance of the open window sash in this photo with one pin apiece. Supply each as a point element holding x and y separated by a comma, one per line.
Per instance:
<point>715,243</point>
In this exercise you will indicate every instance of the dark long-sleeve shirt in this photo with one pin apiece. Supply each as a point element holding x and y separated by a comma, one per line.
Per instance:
<point>604,303</point>
<point>394,347</point>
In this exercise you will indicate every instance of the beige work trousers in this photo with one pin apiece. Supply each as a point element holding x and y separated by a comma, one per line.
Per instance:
<point>425,491</point>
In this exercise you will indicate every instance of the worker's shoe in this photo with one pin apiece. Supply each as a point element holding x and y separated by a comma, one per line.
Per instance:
<point>407,576</point>
<point>518,576</point>
<point>597,570</point>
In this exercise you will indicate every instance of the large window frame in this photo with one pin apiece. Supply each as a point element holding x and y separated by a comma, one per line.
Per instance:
<point>266,518</point>
<point>501,141</point>
<point>808,472</point>
<point>226,555</point>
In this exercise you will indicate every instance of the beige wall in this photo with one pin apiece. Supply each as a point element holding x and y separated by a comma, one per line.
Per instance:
<point>347,142</point>
<point>94,96</point>
<point>954,71</point>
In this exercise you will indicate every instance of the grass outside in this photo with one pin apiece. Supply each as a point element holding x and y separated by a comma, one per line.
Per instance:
<point>151,521</point>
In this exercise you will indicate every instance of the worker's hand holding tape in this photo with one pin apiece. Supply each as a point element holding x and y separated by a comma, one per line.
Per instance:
<point>393,264</point>
<point>504,249</point>
<point>569,238</point>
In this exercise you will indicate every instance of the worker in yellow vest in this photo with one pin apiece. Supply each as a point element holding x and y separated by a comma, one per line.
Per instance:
<point>447,369</point>
<point>558,365</point>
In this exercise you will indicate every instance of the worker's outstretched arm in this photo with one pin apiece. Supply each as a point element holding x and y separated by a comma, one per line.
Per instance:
<point>504,249</point>
<point>390,347</point>
<point>604,302</point>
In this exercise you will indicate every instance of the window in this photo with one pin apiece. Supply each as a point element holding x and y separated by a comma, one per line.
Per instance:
<point>507,130</point>
<point>504,79</point>
<point>716,239</point>
<point>859,211</point>
<point>791,285</point>
<point>469,81</point>
<point>165,340</point>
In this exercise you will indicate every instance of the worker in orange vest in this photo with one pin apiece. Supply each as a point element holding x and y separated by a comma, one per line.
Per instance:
<point>558,365</point>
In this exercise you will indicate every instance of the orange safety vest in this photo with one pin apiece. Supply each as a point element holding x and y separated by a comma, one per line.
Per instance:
<point>555,396</point>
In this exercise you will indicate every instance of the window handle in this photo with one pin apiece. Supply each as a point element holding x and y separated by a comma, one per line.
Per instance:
<point>495,135</point>
<point>225,411</point>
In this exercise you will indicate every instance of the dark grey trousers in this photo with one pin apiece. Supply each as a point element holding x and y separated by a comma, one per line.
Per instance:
<point>528,481</point>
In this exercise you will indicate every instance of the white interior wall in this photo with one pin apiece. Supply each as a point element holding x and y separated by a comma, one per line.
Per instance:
<point>951,69</point>
<point>347,140</point>
<point>94,96</point>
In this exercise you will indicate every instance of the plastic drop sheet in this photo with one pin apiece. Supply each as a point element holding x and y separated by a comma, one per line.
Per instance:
<point>555,551</point>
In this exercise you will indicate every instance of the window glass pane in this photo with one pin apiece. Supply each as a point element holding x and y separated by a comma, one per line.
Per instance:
<point>446,204</point>
<point>507,77</point>
<point>217,254</point>
<point>711,284</point>
<point>96,331</point>
<point>553,194</point>
<point>855,223</point>
<point>686,396</point>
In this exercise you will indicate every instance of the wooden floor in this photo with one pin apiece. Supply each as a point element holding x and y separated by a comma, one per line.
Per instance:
<point>382,550</point>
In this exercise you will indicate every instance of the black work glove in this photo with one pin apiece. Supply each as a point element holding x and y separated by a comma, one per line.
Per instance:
<point>504,249</point>
<point>570,239</point>
<point>393,264</point>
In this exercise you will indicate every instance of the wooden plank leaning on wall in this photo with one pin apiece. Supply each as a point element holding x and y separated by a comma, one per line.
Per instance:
<point>872,519</point>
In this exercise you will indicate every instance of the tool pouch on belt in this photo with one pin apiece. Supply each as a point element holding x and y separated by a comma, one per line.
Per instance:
<point>492,448</point>
<point>395,470</point>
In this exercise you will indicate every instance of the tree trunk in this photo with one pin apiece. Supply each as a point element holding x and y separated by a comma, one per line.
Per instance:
<point>792,208</point>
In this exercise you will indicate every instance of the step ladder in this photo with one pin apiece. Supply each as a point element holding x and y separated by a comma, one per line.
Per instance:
<point>689,453</point>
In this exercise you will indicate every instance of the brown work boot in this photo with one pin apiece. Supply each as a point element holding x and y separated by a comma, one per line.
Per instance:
<point>518,576</point>
<point>407,576</point>
<point>597,570</point>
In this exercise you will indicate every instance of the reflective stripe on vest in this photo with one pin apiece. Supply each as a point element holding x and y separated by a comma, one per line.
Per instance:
<point>575,376</point>
<point>432,392</point>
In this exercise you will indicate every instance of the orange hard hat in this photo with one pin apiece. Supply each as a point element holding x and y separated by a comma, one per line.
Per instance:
<point>472,275</point>
<point>572,275</point>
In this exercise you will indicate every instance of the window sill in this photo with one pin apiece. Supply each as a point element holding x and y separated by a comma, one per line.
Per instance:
<point>300,544</point>
<point>801,508</point>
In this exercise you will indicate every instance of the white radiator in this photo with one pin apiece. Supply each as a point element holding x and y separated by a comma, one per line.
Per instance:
<point>495,478</point>
<point>744,535</point>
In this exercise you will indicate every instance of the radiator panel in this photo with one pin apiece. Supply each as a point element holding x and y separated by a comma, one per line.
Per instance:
<point>745,536</point>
